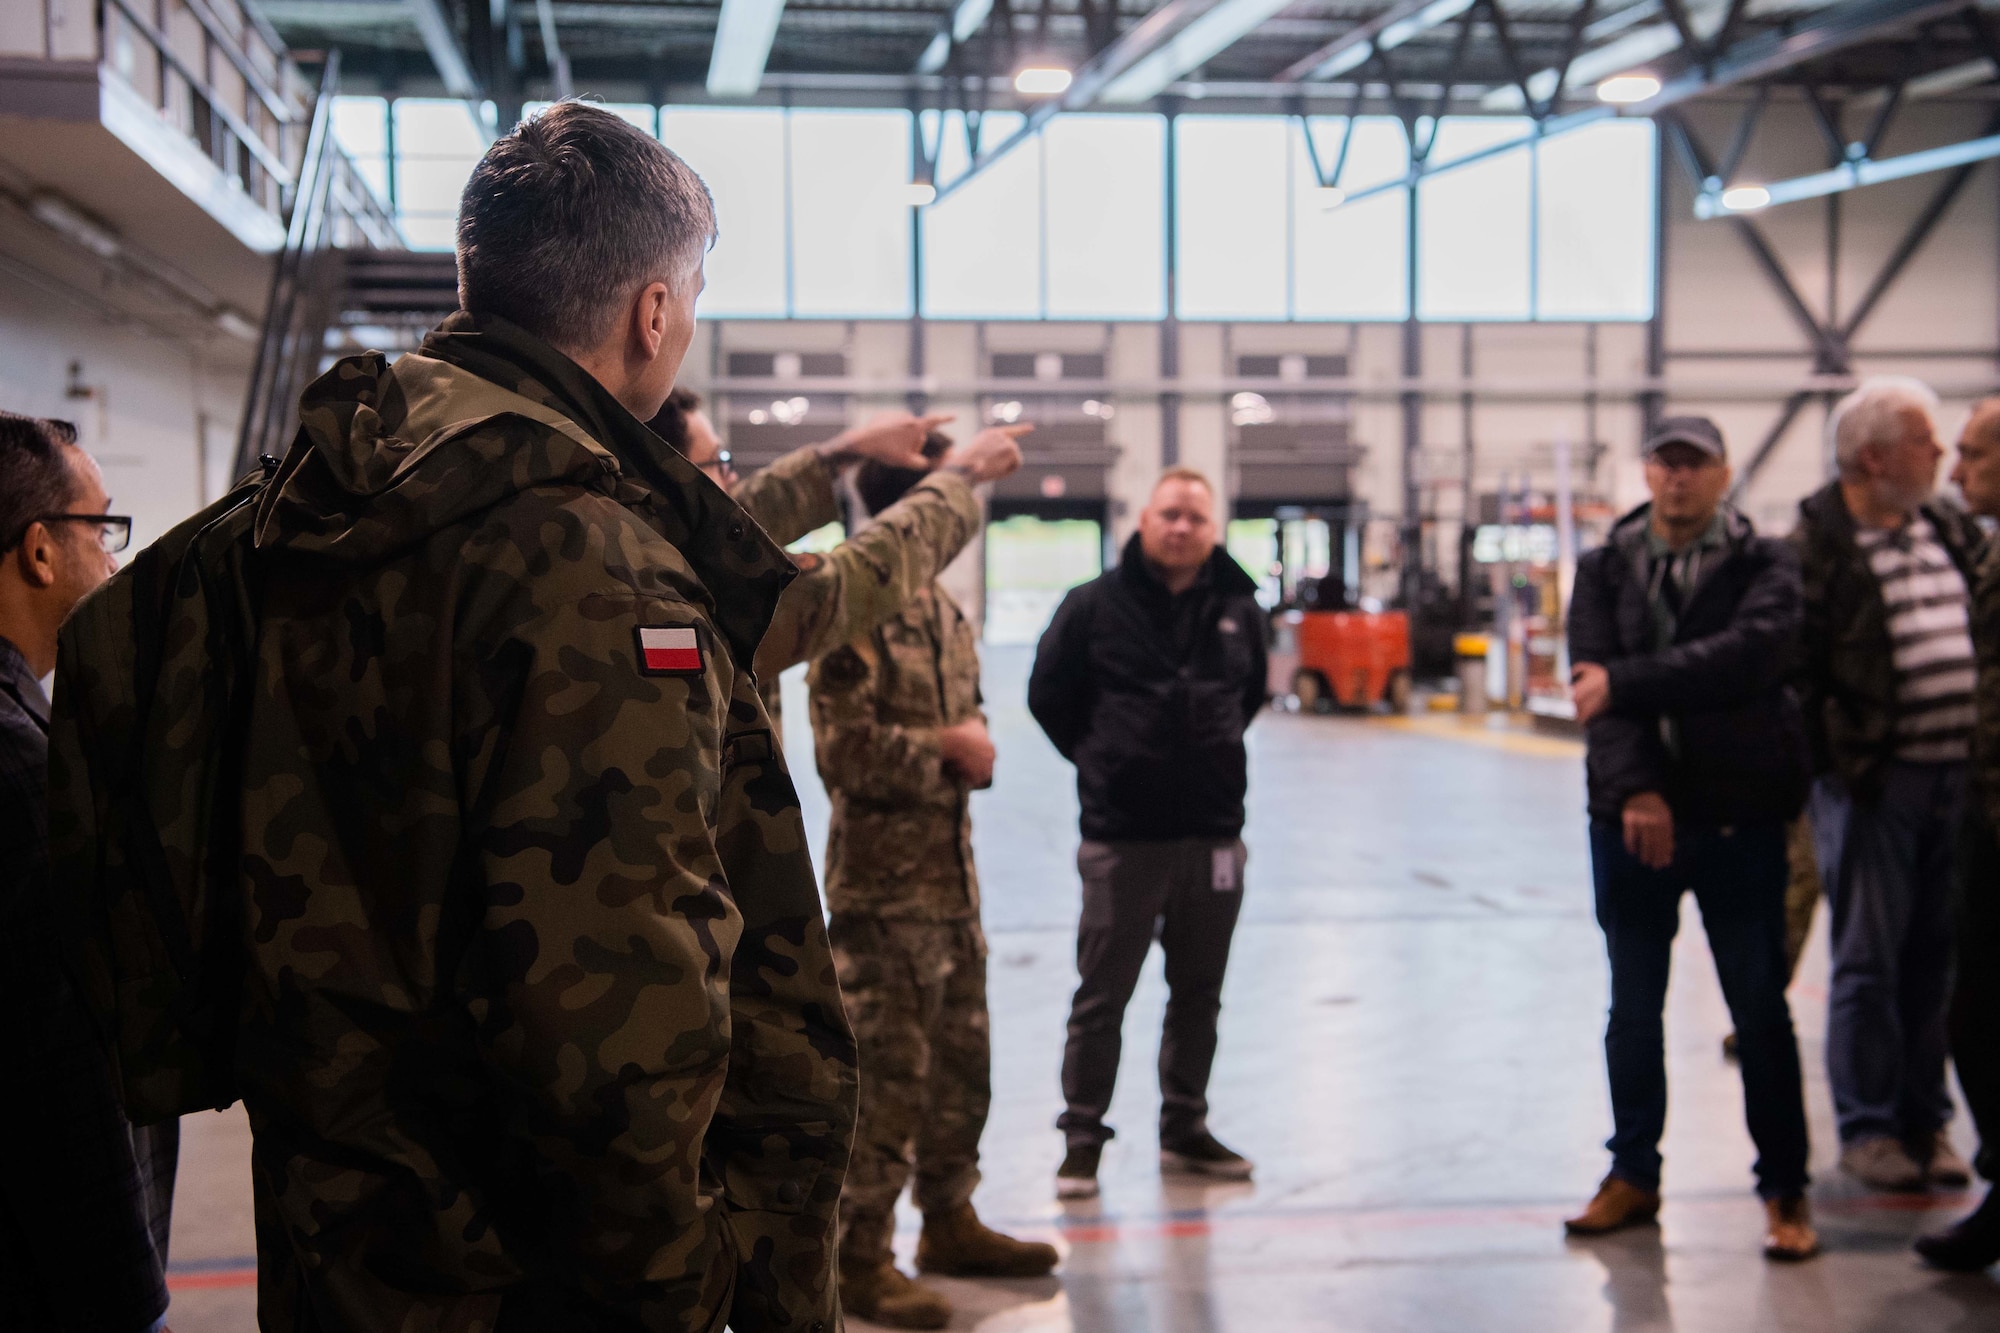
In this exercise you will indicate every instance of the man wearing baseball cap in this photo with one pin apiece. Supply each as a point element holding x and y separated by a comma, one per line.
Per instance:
<point>1681,632</point>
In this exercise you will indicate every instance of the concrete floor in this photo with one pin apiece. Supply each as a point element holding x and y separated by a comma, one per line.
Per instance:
<point>1410,1051</point>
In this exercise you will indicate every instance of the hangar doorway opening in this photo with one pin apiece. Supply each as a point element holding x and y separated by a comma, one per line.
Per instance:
<point>1034,556</point>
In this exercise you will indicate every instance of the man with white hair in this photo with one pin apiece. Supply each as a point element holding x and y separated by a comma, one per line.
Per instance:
<point>1886,683</point>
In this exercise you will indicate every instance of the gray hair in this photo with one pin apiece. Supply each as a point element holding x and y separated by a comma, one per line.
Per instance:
<point>37,478</point>
<point>1872,414</point>
<point>567,217</point>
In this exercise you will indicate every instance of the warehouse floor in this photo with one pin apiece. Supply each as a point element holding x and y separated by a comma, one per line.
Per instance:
<point>1410,1051</point>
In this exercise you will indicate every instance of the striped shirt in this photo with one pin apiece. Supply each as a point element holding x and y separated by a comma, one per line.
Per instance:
<point>1931,643</point>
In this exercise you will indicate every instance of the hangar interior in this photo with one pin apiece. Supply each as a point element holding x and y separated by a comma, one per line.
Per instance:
<point>1408,279</point>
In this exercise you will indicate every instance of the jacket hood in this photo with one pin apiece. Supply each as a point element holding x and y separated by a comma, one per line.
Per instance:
<point>1226,575</point>
<point>387,455</point>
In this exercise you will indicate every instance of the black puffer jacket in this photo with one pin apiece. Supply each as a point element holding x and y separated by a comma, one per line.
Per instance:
<point>1847,677</point>
<point>1742,750</point>
<point>1155,731</point>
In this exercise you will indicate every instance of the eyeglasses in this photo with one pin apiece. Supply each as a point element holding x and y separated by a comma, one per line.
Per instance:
<point>114,531</point>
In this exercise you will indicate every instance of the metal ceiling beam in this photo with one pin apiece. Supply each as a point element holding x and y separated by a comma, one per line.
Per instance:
<point>1132,46</point>
<point>441,42</point>
<point>1863,171</point>
<point>1354,47</point>
<point>1834,29</point>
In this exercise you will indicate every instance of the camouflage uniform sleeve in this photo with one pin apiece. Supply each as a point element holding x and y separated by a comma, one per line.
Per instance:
<point>792,496</point>
<point>606,931</point>
<point>859,755</point>
<point>865,579</point>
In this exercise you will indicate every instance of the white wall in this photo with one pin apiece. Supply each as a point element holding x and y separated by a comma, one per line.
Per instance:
<point>156,409</point>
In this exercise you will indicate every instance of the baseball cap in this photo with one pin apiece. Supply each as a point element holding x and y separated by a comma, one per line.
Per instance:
<point>1699,432</point>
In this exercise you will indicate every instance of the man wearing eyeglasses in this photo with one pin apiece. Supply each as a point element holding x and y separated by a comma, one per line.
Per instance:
<point>84,1202</point>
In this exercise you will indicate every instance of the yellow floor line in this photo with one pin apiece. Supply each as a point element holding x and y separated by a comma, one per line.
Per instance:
<point>1470,731</point>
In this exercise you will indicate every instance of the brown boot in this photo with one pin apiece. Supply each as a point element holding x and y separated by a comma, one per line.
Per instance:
<point>1788,1230</point>
<point>958,1244</point>
<point>885,1296</point>
<point>1619,1203</point>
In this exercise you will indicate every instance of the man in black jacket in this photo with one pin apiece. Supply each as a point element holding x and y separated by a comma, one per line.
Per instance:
<point>1146,680</point>
<point>1886,682</point>
<point>1681,629</point>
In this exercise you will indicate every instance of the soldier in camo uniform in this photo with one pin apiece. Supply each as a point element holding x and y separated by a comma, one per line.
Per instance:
<point>901,745</point>
<point>868,577</point>
<point>542,1029</point>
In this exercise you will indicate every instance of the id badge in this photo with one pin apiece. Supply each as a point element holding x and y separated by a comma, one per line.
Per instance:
<point>1222,870</point>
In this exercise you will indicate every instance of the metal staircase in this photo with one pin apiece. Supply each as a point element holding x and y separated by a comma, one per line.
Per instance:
<point>335,229</point>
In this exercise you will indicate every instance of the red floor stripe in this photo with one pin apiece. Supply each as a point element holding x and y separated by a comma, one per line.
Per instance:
<point>223,1280</point>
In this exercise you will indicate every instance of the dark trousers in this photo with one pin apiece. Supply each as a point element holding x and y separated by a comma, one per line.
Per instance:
<point>1975,994</point>
<point>1187,894</point>
<point>1888,869</point>
<point>1738,879</point>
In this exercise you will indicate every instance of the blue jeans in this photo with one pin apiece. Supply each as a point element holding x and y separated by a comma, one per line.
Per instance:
<point>1887,864</point>
<point>1738,878</point>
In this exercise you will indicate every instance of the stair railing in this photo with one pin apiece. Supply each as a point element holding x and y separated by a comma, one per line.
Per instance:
<point>332,208</point>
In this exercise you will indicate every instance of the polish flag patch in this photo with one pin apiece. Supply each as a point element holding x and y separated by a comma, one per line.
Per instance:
<point>669,650</point>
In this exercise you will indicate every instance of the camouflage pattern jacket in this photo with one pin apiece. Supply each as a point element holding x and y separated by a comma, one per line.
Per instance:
<point>541,1027</point>
<point>1985,615</point>
<point>900,841</point>
<point>863,581</point>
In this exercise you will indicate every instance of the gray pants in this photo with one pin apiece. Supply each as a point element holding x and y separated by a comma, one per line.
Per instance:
<point>1185,893</point>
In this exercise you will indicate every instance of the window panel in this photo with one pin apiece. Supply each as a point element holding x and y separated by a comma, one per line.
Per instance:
<point>740,154</point>
<point>639,114</point>
<point>1595,222</point>
<point>1473,232</point>
<point>850,173</point>
<point>1105,182</point>
<point>1352,261</point>
<point>983,244</point>
<point>361,125</point>
<point>1232,210</point>
<point>437,146</point>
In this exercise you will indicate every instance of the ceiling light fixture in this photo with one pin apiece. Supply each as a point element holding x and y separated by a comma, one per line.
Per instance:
<point>1439,11</point>
<point>1330,197</point>
<point>1042,81</point>
<point>1745,198</point>
<point>743,37</point>
<point>919,193</point>
<point>1626,89</point>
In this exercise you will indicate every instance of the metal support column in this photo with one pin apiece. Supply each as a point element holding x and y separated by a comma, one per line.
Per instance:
<point>1170,327</point>
<point>1410,582</point>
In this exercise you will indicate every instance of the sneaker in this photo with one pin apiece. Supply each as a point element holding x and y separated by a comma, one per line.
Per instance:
<point>1788,1230</point>
<point>1970,1245</point>
<point>1076,1178</point>
<point>1881,1163</point>
<point>1617,1204</point>
<point>1945,1166</point>
<point>1204,1155</point>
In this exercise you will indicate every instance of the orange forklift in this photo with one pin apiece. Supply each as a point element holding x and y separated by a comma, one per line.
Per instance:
<point>1345,659</point>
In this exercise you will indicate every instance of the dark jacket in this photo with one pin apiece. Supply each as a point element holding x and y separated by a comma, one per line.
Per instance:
<point>1847,677</point>
<point>1721,685</point>
<point>75,1252</point>
<point>1155,728</point>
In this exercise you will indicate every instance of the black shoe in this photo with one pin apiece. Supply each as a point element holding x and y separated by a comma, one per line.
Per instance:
<point>1971,1244</point>
<point>1204,1155</point>
<point>1076,1178</point>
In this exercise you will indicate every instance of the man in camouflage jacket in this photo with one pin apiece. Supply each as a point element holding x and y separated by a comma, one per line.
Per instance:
<point>853,588</point>
<point>901,743</point>
<point>541,1029</point>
